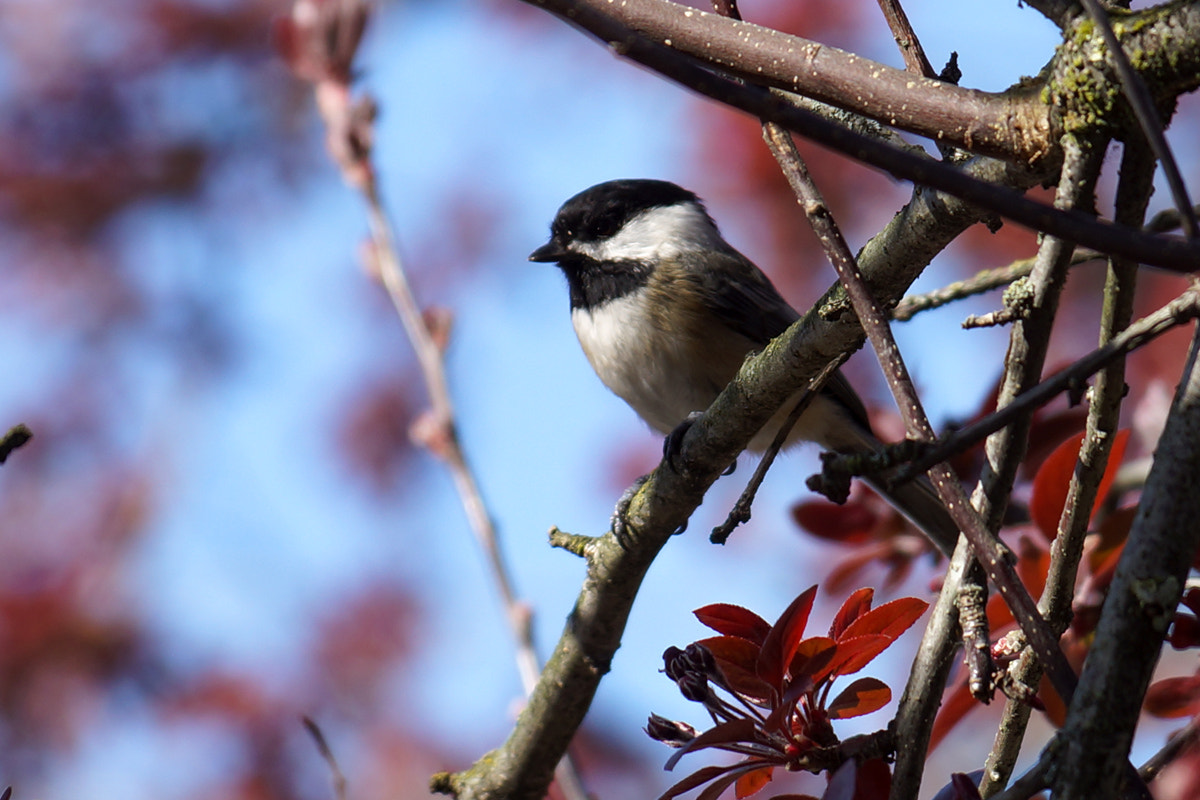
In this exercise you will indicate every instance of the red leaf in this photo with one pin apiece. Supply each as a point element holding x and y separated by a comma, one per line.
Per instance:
<point>849,523</point>
<point>854,654</point>
<point>697,778</point>
<point>1052,480</point>
<point>861,697</point>
<point>726,733</point>
<point>890,619</point>
<point>812,657</point>
<point>718,787</point>
<point>1191,599</point>
<point>785,636</point>
<point>1173,697</point>
<point>737,659</point>
<point>857,604</point>
<point>752,782</point>
<point>734,620</point>
<point>1185,632</point>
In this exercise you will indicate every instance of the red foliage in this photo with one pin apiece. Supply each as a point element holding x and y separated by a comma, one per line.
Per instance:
<point>1174,697</point>
<point>1053,479</point>
<point>373,439</point>
<point>775,667</point>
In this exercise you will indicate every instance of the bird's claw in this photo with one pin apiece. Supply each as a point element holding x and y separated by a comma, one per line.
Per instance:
<point>618,522</point>
<point>673,442</point>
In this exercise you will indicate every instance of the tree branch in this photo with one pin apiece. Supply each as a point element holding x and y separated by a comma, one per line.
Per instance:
<point>1181,310</point>
<point>1072,225</point>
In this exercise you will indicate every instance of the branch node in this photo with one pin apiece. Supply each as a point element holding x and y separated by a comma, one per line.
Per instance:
<point>576,543</point>
<point>16,437</point>
<point>1018,303</point>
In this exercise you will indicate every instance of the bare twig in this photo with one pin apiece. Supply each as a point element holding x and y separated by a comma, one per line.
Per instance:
<point>906,39</point>
<point>983,281</point>
<point>992,555</point>
<point>320,42</point>
<point>335,771</point>
<point>740,513</point>
<point>927,679</point>
<point>1034,780</point>
<point>986,280</point>
<point>1180,311</point>
<point>1180,741</point>
<point>1029,337</point>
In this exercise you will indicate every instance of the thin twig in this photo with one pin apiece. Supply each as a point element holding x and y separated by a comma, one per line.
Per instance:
<point>927,680</point>
<point>321,44</point>
<point>1133,193</point>
<point>1034,780</point>
<point>906,39</point>
<point>1029,337</point>
<point>335,771</point>
<point>1180,741</point>
<point>1179,311</point>
<point>1093,745</point>
<point>1168,219</point>
<point>740,513</point>
<point>449,447</point>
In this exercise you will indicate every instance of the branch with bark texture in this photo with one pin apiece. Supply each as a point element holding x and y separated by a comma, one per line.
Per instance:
<point>1071,224</point>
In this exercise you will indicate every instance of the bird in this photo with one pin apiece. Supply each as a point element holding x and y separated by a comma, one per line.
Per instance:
<point>666,311</point>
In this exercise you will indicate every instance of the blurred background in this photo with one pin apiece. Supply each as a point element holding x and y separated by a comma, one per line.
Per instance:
<point>221,525</point>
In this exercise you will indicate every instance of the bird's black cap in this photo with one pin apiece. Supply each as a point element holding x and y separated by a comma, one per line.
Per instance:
<point>603,209</point>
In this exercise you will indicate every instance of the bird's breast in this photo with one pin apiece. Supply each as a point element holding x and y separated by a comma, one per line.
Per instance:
<point>664,365</point>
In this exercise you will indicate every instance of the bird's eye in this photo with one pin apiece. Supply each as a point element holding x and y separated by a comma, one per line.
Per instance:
<point>603,226</point>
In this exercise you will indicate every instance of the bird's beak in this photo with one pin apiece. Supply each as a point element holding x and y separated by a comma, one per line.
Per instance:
<point>550,251</point>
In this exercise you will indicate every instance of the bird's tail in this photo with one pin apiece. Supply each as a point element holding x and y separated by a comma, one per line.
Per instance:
<point>915,499</point>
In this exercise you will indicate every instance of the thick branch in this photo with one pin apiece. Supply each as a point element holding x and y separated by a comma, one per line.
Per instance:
<point>1071,225</point>
<point>1013,124</point>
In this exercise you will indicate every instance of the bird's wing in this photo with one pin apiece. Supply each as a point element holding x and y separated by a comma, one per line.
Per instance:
<point>746,300</point>
<point>743,297</point>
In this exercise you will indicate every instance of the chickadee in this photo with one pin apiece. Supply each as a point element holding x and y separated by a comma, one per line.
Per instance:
<point>666,311</point>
